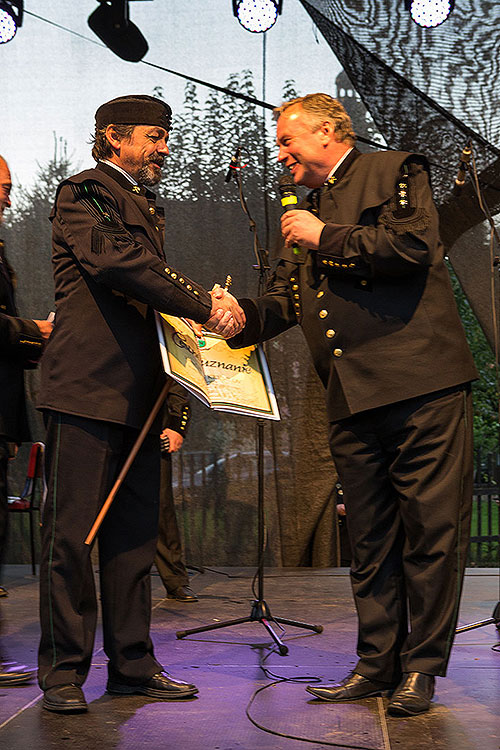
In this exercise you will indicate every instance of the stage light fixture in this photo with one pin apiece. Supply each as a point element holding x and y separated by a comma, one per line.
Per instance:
<point>257,16</point>
<point>11,17</point>
<point>429,13</point>
<point>111,23</point>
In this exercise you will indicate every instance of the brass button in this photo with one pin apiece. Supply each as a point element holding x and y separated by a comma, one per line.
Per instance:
<point>330,333</point>
<point>337,352</point>
<point>292,278</point>
<point>296,296</point>
<point>167,270</point>
<point>189,287</point>
<point>173,275</point>
<point>151,210</point>
<point>323,313</point>
<point>320,294</point>
<point>325,262</point>
<point>352,265</point>
<point>295,287</point>
<point>363,282</point>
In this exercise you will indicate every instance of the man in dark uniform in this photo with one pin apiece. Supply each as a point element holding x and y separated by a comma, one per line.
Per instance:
<point>101,375</point>
<point>362,272</point>
<point>168,558</point>
<point>21,344</point>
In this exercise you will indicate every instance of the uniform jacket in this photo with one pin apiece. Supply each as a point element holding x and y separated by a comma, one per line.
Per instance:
<point>102,360</point>
<point>375,300</point>
<point>20,347</point>
<point>177,412</point>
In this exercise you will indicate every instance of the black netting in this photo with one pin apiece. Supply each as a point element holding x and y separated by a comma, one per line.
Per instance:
<point>426,89</point>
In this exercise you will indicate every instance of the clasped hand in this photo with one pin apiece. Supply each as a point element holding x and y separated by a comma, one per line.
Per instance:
<point>227,318</point>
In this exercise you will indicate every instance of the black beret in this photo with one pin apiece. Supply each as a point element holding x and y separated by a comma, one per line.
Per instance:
<point>135,109</point>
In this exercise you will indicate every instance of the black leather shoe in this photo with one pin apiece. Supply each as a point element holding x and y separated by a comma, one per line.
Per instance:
<point>160,685</point>
<point>65,699</point>
<point>351,688</point>
<point>3,591</point>
<point>12,674</point>
<point>413,695</point>
<point>182,594</point>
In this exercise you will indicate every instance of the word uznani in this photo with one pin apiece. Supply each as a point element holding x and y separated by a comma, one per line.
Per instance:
<point>181,342</point>
<point>226,366</point>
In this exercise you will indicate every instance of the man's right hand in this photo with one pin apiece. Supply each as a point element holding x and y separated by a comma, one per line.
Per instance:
<point>226,318</point>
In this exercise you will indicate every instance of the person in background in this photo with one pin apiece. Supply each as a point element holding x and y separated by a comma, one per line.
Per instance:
<point>21,345</point>
<point>168,558</point>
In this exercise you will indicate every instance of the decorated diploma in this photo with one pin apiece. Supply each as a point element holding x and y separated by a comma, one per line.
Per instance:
<point>234,380</point>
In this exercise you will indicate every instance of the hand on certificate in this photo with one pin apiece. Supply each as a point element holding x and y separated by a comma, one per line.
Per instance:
<point>227,318</point>
<point>300,227</point>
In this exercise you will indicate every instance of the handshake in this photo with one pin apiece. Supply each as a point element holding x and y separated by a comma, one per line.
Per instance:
<point>226,318</point>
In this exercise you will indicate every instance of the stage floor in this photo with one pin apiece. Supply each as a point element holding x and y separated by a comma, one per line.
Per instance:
<point>226,666</point>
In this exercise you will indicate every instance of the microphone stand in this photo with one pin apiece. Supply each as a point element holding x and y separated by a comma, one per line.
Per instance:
<point>260,611</point>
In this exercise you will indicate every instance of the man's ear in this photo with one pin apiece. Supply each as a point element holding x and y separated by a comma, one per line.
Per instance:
<point>112,138</point>
<point>327,132</point>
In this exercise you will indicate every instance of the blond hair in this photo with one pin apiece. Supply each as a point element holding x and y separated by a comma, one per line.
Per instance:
<point>321,107</point>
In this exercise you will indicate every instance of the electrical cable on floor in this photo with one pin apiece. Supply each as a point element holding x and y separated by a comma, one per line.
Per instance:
<point>299,679</point>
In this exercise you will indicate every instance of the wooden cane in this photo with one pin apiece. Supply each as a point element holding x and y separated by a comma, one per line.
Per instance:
<point>126,466</point>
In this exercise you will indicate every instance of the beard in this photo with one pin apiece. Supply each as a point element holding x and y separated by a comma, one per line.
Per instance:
<point>147,174</point>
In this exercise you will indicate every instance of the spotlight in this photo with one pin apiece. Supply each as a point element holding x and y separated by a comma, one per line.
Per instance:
<point>110,22</point>
<point>429,13</point>
<point>11,17</point>
<point>257,16</point>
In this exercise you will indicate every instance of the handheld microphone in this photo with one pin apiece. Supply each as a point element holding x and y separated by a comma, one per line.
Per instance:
<point>288,193</point>
<point>462,169</point>
<point>233,164</point>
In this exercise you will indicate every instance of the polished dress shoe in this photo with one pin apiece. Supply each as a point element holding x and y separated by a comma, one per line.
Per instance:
<point>3,591</point>
<point>12,674</point>
<point>65,699</point>
<point>413,695</point>
<point>351,688</point>
<point>160,685</point>
<point>182,594</point>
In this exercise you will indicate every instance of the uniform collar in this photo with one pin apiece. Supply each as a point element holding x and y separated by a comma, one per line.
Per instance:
<point>124,179</point>
<point>344,156</point>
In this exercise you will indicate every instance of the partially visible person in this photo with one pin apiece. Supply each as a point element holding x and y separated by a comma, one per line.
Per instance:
<point>168,559</point>
<point>21,344</point>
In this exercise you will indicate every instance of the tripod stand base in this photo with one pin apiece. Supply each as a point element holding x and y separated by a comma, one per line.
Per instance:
<point>493,620</point>
<point>260,613</point>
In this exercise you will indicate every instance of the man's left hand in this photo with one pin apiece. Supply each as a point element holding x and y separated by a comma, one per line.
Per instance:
<point>175,440</point>
<point>300,227</point>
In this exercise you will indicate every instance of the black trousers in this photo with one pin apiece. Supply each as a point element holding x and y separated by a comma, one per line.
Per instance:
<point>168,557</point>
<point>406,471</point>
<point>4,463</point>
<point>83,459</point>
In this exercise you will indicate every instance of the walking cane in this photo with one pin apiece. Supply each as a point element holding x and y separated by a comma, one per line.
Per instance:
<point>126,466</point>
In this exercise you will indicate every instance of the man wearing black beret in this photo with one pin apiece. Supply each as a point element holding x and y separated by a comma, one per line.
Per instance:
<point>101,375</point>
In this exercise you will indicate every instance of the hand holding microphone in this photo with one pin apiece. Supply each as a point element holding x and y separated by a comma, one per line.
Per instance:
<point>298,226</point>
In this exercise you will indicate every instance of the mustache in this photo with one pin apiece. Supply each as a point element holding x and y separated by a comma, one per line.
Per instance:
<point>158,159</point>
